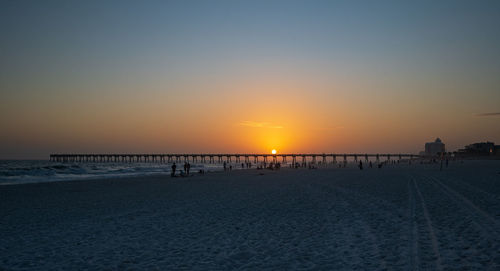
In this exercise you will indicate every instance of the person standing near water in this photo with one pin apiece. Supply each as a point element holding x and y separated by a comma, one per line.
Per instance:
<point>225,165</point>
<point>173,169</point>
<point>360,165</point>
<point>188,167</point>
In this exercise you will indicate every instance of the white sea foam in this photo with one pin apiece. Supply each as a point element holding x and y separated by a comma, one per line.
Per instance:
<point>33,171</point>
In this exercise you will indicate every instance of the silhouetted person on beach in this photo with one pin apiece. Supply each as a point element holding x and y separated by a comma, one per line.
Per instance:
<point>230,167</point>
<point>173,169</point>
<point>188,167</point>
<point>360,165</point>
<point>225,166</point>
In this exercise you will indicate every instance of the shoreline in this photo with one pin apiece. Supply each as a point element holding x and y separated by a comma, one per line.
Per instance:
<point>155,175</point>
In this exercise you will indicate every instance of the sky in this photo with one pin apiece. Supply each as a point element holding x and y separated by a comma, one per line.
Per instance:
<point>246,76</point>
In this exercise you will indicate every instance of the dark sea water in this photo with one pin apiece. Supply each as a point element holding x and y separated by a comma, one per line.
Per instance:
<point>33,171</point>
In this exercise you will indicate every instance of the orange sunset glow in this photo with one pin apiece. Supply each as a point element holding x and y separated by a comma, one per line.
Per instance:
<point>247,92</point>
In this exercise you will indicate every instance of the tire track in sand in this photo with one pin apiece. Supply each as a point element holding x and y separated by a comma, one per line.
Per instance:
<point>484,193</point>
<point>430,228</point>
<point>491,226</point>
<point>414,259</point>
<point>483,221</point>
<point>357,219</point>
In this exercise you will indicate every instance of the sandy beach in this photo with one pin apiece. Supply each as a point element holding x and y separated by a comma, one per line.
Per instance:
<point>399,217</point>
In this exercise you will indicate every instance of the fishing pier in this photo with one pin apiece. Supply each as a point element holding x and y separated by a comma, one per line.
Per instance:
<point>220,158</point>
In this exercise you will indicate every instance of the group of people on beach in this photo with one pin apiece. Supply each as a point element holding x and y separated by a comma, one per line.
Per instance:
<point>187,168</point>
<point>370,165</point>
<point>246,165</point>
<point>380,164</point>
<point>271,166</point>
<point>277,165</point>
<point>226,168</point>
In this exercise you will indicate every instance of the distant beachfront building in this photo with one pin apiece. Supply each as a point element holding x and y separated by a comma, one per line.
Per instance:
<point>434,148</point>
<point>479,149</point>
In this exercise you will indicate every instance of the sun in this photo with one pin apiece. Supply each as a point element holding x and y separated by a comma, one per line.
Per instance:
<point>273,151</point>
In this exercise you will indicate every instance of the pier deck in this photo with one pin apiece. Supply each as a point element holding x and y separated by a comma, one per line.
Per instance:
<point>220,158</point>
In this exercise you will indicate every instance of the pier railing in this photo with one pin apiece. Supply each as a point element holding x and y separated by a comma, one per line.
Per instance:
<point>229,158</point>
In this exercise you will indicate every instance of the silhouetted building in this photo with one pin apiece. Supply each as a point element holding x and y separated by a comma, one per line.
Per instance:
<point>479,149</point>
<point>434,148</point>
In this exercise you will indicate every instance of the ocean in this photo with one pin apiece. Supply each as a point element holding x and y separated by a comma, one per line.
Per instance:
<point>34,171</point>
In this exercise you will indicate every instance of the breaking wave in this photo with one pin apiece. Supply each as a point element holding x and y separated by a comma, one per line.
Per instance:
<point>18,172</point>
